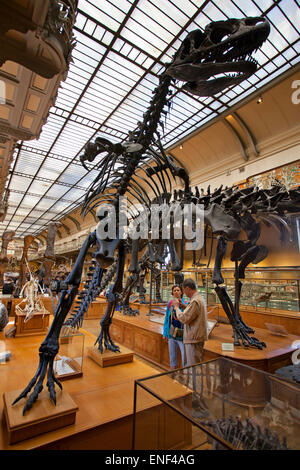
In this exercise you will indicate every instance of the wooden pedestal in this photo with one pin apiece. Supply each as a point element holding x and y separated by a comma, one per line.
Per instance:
<point>77,371</point>
<point>144,308</point>
<point>43,417</point>
<point>37,325</point>
<point>110,358</point>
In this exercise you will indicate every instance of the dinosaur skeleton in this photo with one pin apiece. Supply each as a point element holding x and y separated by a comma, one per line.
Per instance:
<point>32,298</point>
<point>7,237</point>
<point>224,46</point>
<point>145,264</point>
<point>49,256</point>
<point>245,435</point>
<point>23,261</point>
<point>246,206</point>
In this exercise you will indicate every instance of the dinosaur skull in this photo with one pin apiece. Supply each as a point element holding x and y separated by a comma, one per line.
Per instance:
<point>223,52</point>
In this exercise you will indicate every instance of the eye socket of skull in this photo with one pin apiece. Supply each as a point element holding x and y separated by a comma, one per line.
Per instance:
<point>192,41</point>
<point>221,32</point>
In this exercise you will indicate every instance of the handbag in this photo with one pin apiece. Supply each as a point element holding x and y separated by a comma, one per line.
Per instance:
<point>174,332</point>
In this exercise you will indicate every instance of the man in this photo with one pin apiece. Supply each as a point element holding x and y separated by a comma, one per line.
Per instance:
<point>195,322</point>
<point>195,333</point>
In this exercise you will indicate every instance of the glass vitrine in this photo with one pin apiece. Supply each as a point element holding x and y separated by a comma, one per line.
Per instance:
<point>220,404</point>
<point>69,360</point>
<point>266,288</point>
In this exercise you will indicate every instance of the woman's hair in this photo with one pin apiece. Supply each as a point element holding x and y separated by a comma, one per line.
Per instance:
<point>177,285</point>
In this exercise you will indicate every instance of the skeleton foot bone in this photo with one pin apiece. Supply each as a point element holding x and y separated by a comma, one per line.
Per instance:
<point>47,352</point>
<point>104,339</point>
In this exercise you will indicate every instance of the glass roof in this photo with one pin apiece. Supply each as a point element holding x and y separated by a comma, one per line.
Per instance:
<point>122,46</point>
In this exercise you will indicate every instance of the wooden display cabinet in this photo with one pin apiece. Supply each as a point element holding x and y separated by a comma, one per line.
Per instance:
<point>37,325</point>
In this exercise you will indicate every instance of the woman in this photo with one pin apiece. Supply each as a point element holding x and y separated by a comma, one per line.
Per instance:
<point>175,336</point>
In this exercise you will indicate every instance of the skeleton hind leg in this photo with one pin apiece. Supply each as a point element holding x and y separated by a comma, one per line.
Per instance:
<point>113,296</point>
<point>50,346</point>
<point>239,332</point>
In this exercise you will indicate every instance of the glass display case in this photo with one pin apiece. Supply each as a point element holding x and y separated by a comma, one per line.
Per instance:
<point>68,362</point>
<point>219,404</point>
<point>267,288</point>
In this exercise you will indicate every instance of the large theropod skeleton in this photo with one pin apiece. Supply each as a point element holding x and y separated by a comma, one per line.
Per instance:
<point>224,47</point>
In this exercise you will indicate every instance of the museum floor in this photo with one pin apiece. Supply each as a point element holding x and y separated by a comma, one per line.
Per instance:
<point>104,397</point>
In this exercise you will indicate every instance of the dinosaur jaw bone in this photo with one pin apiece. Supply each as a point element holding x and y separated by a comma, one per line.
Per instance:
<point>197,76</point>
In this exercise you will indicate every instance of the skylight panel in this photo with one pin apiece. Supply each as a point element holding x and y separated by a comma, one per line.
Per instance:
<point>213,14</point>
<point>49,132</point>
<point>133,106</point>
<point>105,84</point>
<point>60,206</point>
<point>122,120</point>
<point>141,58</point>
<point>292,11</point>
<point>44,205</point>
<point>74,194</point>
<point>187,7</point>
<point>247,7</point>
<point>80,20</point>
<point>154,24</point>
<point>30,201</point>
<point>28,163</point>
<point>89,177</point>
<point>80,73</point>
<point>72,139</point>
<point>20,182</point>
<point>129,118</point>
<point>51,169</point>
<point>113,78</point>
<point>150,43</point>
<point>17,218</point>
<point>265,4</point>
<point>86,55</point>
<point>163,14</point>
<point>277,39</point>
<point>14,197</point>
<point>283,25</point>
<point>108,15</point>
<point>290,53</point>
<point>39,187</point>
<point>99,33</point>
<point>230,10</point>
<point>97,111</point>
<point>69,178</point>
<point>11,226</point>
<point>35,227</point>
<point>120,92</point>
<point>119,61</point>
<point>38,213</point>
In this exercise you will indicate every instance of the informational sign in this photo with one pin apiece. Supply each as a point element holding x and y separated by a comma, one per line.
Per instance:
<point>227,347</point>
